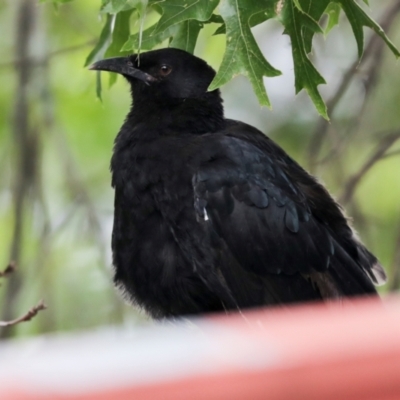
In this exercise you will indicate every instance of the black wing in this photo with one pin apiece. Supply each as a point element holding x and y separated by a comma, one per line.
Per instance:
<point>268,223</point>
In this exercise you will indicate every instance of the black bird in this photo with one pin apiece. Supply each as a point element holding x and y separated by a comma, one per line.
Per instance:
<point>212,215</point>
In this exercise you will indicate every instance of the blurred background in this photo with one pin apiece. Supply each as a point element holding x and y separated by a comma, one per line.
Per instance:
<point>56,138</point>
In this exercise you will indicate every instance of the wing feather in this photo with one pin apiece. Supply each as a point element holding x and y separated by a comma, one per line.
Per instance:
<point>267,220</point>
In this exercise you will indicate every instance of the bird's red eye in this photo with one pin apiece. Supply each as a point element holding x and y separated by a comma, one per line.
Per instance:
<point>165,70</point>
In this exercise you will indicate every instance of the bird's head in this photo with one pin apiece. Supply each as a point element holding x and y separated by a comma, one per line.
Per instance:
<point>164,74</point>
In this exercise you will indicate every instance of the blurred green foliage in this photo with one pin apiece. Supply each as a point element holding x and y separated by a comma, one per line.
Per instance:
<point>67,218</point>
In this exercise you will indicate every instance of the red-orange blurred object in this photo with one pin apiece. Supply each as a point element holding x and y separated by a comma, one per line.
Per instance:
<point>325,351</point>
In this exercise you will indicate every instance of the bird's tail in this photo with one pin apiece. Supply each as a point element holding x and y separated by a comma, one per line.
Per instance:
<point>356,275</point>
<point>371,266</point>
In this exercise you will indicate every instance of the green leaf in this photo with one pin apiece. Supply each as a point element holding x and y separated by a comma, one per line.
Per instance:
<point>221,30</point>
<point>333,12</point>
<point>185,37</point>
<point>314,9</point>
<point>113,6</point>
<point>149,39</point>
<point>116,6</point>
<point>112,79</point>
<point>215,19</point>
<point>298,5</point>
<point>242,54</point>
<point>254,20</point>
<point>358,19</point>
<point>105,38</point>
<point>98,85</point>
<point>120,34</point>
<point>355,14</point>
<point>181,21</point>
<point>306,76</point>
<point>176,11</point>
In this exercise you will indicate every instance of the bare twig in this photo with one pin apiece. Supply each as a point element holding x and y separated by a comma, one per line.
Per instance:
<point>17,62</point>
<point>26,317</point>
<point>11,267</point>
<point>394,282</point>
<point>26,144</point>
<point>378,155</point>
<point>373,50</point>
<point>392,154</point>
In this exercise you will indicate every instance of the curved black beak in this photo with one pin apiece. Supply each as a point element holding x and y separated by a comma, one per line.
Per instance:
<point>123,66</point>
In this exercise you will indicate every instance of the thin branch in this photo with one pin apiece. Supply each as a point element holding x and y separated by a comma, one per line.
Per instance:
<point>55,53</point>
<point>25,141</point>
<point>392,154</point>
<point>378,155</point>
<point>373,50</point>
<point>11,267</point>
<point>26,317</point>
<point>394,282</point>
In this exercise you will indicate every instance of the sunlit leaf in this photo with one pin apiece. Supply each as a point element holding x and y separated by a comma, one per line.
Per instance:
<point>333,12</point>
<point>112,79</point>
<point>149,39</point>
<point>176,11</point>
<point>120,34</point>
<point>98,52</point>
<point>98,85</point>
<point>116,6</point>
<point>104,41</point>
<point>113,6</point>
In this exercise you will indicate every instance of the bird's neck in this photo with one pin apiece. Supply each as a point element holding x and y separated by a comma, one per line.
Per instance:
<point>178,116</point>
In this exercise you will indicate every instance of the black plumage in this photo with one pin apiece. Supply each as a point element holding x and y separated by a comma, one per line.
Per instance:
<point>210,214</point>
